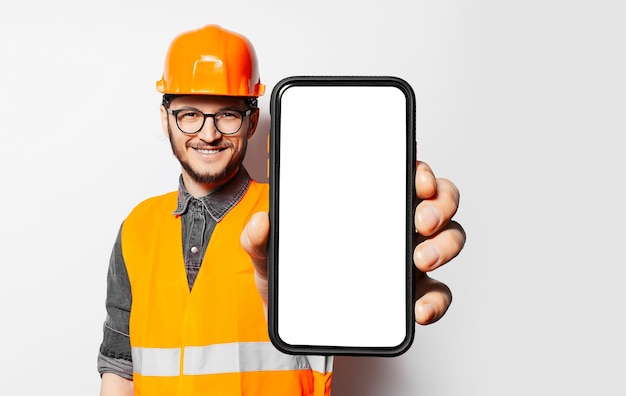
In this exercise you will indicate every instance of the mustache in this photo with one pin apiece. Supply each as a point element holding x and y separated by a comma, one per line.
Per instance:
<point>205,146</point>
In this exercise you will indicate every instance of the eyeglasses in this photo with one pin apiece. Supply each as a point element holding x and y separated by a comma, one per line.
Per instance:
<point>191,121</point>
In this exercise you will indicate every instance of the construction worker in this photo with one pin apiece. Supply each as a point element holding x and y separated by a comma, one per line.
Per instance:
<point>187,288</point>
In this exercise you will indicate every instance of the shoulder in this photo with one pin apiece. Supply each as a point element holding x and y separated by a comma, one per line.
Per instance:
<point>160,203</point>
<point>256,198</point>
<point>258,186</point>
<point>261,191</point>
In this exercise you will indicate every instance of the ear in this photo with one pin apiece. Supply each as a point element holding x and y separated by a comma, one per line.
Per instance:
<point>164,120</point>
<point>254,122</point>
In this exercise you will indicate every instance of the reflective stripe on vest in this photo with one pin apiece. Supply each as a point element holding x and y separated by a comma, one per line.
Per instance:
<point>222,359</point>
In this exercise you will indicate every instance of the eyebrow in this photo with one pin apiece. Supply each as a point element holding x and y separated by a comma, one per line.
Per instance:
<point>224,108</point>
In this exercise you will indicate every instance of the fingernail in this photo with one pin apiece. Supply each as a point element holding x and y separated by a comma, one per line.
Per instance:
<point>431,217</point>
<point>427,313</point>
<point>428,256</point>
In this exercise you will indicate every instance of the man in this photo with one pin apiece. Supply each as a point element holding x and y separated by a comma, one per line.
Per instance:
<point>192,320</point>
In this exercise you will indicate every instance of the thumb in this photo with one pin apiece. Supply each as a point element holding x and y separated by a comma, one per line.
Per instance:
<point>254,239</point>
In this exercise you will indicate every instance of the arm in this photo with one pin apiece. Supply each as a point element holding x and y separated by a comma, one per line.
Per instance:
<point>114,359</point>
<point>114,385</point>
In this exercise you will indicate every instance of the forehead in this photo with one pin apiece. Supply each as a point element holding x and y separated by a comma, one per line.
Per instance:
<point>209,101</point>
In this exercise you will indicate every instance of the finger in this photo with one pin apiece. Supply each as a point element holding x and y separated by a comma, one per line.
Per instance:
<point>440,248</point>
<point>434,213</point>
<point>254,239</point>
<point>425,182</point>
<point>433,300</point>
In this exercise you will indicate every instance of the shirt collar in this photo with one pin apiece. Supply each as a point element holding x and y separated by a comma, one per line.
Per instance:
<point>219,202</point>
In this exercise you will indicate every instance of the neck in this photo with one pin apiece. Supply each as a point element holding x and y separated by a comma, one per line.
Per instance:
<point>198,190</point>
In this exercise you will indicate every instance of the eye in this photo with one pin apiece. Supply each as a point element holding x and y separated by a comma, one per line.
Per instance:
<point>228,115</point>
<point>189,115</point>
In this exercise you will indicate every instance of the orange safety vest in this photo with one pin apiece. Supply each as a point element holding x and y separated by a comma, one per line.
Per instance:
<point>212,340</point>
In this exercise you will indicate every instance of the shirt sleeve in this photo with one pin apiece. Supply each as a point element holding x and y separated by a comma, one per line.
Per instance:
<point>115,352</point>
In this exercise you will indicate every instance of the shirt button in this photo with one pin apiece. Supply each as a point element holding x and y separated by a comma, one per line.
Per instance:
<point>194,250</point>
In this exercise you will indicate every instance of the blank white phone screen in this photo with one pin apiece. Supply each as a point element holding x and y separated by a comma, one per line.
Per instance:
<point>342,216</point>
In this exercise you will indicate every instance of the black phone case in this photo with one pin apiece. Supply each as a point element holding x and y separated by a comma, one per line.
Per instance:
<point>274,179</point>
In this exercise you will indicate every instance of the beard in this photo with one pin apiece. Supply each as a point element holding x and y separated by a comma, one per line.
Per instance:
<point>209,178</point>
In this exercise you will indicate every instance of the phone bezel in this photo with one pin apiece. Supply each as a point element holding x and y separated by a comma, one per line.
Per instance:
<point>274,180</point>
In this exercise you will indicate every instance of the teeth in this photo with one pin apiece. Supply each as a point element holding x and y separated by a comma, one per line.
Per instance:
<point>202,151</point>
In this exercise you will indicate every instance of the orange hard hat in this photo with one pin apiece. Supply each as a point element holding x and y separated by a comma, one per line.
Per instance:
<point>211,61</point>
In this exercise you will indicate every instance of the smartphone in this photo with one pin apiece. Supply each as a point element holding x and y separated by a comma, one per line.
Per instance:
<point>342,202</point>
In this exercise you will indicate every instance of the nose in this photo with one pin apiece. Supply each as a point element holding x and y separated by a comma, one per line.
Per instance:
<point>209,133</point>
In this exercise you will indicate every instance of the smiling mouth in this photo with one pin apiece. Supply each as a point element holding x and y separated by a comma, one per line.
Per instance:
<point>209,151</point>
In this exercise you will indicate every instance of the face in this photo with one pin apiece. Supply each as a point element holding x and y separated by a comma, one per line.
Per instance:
<point>208,158</point>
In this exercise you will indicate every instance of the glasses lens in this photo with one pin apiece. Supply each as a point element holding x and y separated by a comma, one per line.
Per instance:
<point>190,121</point>
<point>228,121</point>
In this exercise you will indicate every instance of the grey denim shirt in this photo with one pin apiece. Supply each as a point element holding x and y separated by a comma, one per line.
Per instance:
<point>199,218</point>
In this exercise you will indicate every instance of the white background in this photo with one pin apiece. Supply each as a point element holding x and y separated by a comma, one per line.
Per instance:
<point>521,103</point>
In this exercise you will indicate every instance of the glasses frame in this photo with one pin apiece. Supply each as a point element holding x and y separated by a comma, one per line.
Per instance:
<point>243,115</point>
